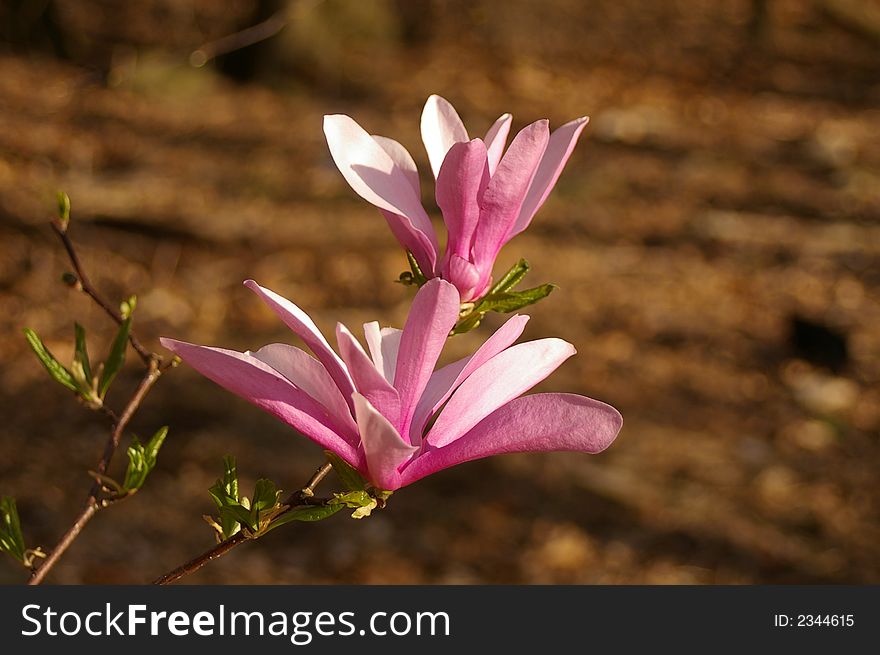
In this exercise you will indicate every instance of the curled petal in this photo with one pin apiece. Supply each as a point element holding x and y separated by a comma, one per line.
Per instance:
<point>536,423</point>
<point>308,374</point>
<point>504,377</point>
<point>433,314</point>
<point>559,148</point>
<point>441,128</point>
<point>446,380</point>
<point>383,344</point>
<point>380,172</point>
<point>384,449</point>
<point>260,384</point>
<point>303,326</point>
<point>506,192</point>
<point>496,139</point>
<point>460,185</point>
<point>368,380</point>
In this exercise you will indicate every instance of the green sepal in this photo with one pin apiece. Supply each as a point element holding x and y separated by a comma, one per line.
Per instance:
<point>416,276</point>
<point>58,372</point>
<point>116,358</point>
<point>349,476</point>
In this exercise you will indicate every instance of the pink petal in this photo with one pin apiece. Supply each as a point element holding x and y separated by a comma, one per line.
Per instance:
<point>496,139</point>
<point>447,379</point>
<point>506,192</point>
<point>460,185</point>
<point>463,275</point>
<point>383,344</point>
<point>368,380</point>
<point>504,377</point>
<point>303,326</point>
<point>384,449</point>
<point>559,149</point>
<point>441,127</point>
<point>382,179</point>
<point>433,314</point>
<point>541,422</point>
<point>261,385</point>
<point>424,249</point>
<point>308,374</point>
<point>402,159</point>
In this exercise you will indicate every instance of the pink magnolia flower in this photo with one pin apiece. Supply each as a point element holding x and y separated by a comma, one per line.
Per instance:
<point>486,195</point>
<point>388,413</point>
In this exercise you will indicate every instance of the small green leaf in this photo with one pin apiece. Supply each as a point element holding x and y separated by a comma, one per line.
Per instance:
<point>81,366</point>
<point>417,275</point>
<point>55,368</point>
<point>305,513</point>
<point>230,477</point>
<point>142,459</point>
<point>510,301</point>
<point>349,477</point>
<point>353,499</point>
<point>116,358</point>
<point>510,279</point>
<point>63,209</point>
<point>225,495</point>
<point>11,538</point>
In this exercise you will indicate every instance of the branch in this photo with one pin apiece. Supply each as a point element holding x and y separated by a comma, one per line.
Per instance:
<point>92,505</point>
<point>85,285</point>
<point>297,499</point>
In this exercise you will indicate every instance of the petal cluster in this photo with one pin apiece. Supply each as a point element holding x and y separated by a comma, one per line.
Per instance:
<point>487,194</point>
<point>385,409</point>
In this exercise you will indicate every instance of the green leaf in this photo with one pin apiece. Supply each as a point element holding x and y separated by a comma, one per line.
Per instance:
<point>55,368</point>
<point>142,459</point>
<point>11,538</point>
<point>81,368</point>
<point>225,495</point>
<point>349,477</point>
<point>305,513</point>
<point>418,277</point>
<point>510,279</point>
<point>81,352</point>
<point>510,301</point>
<point>116,358</point>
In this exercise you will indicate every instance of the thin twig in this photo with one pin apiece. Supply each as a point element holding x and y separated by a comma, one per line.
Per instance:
<point>92,505</point>
<point>86,286</point>
<point>297,499</point>
<point>249,36</point>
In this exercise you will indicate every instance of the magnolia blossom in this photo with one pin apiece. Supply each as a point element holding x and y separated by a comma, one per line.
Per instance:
<point>388,413</point>
<point>487,196</point>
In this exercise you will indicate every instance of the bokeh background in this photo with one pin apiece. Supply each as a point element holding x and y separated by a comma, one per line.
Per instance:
<point>715,237</point>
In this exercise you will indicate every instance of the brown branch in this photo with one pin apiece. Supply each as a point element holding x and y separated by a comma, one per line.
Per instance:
<point>297,499</point>
<point>249,36</point>
<point>92,505</point>
<point>85,285</point>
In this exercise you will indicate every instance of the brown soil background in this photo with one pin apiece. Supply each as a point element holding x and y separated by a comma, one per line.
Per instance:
<point>727,186</point>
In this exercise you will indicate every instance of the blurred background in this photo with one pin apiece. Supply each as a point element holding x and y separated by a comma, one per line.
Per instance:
<point>715,237</point>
